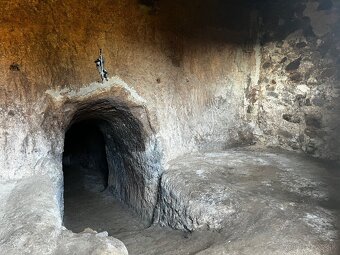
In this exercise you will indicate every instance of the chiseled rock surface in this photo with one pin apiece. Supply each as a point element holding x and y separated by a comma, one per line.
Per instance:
<point>31,222</point>
<point>89,242</point>
<point>252,202</point>
<point>264,203</point>
<point>185,72</point>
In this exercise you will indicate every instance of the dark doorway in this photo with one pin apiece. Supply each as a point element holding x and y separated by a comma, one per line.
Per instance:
<point>86,172</point>
<point>84,151</point>
<point>88,199</point>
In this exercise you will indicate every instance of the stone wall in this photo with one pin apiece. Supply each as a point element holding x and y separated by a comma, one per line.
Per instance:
<point>296,103</point>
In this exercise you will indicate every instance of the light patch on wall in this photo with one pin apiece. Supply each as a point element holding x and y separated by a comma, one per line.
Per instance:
<point>95,88</point>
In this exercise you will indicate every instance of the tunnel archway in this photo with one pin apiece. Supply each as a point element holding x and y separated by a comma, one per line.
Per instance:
<point>84,150</point>
<point>86,174</point>
<point>108,150</point>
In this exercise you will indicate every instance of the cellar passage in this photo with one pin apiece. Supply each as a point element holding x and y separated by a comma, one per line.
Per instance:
<point>85,173</point>
<point>106,167</point>
<point>85,149</point>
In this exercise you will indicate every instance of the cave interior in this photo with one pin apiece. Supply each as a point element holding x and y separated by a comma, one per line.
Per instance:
<point>216,130</point>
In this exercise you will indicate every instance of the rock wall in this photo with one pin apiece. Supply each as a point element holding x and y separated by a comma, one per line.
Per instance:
<point>32,225</point>
<point>189,71</point>
<point>211,76</point>
<point>296,103</point>
<point>198,75</point>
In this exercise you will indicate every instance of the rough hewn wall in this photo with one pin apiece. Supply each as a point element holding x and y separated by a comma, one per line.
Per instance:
<point>197,67</point>
<point>188,62</point>
<point>296,103</point>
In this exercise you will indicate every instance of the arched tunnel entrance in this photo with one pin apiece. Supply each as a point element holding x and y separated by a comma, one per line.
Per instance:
<point>86,172</point>
<point>109,183</point>
<point>85,149</point>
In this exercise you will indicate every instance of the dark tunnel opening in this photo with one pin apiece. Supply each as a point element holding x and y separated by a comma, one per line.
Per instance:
<point>86,174</point>
<point>88,201</point>
<point>107,173</point>
<point>85,149</point>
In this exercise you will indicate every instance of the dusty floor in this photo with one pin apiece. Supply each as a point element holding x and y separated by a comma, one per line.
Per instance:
<point>272,203</point>
<point>87,204</point>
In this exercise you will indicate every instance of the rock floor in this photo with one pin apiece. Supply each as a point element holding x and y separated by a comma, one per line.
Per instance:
<point>236,202</point>
<point>88,206</point>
